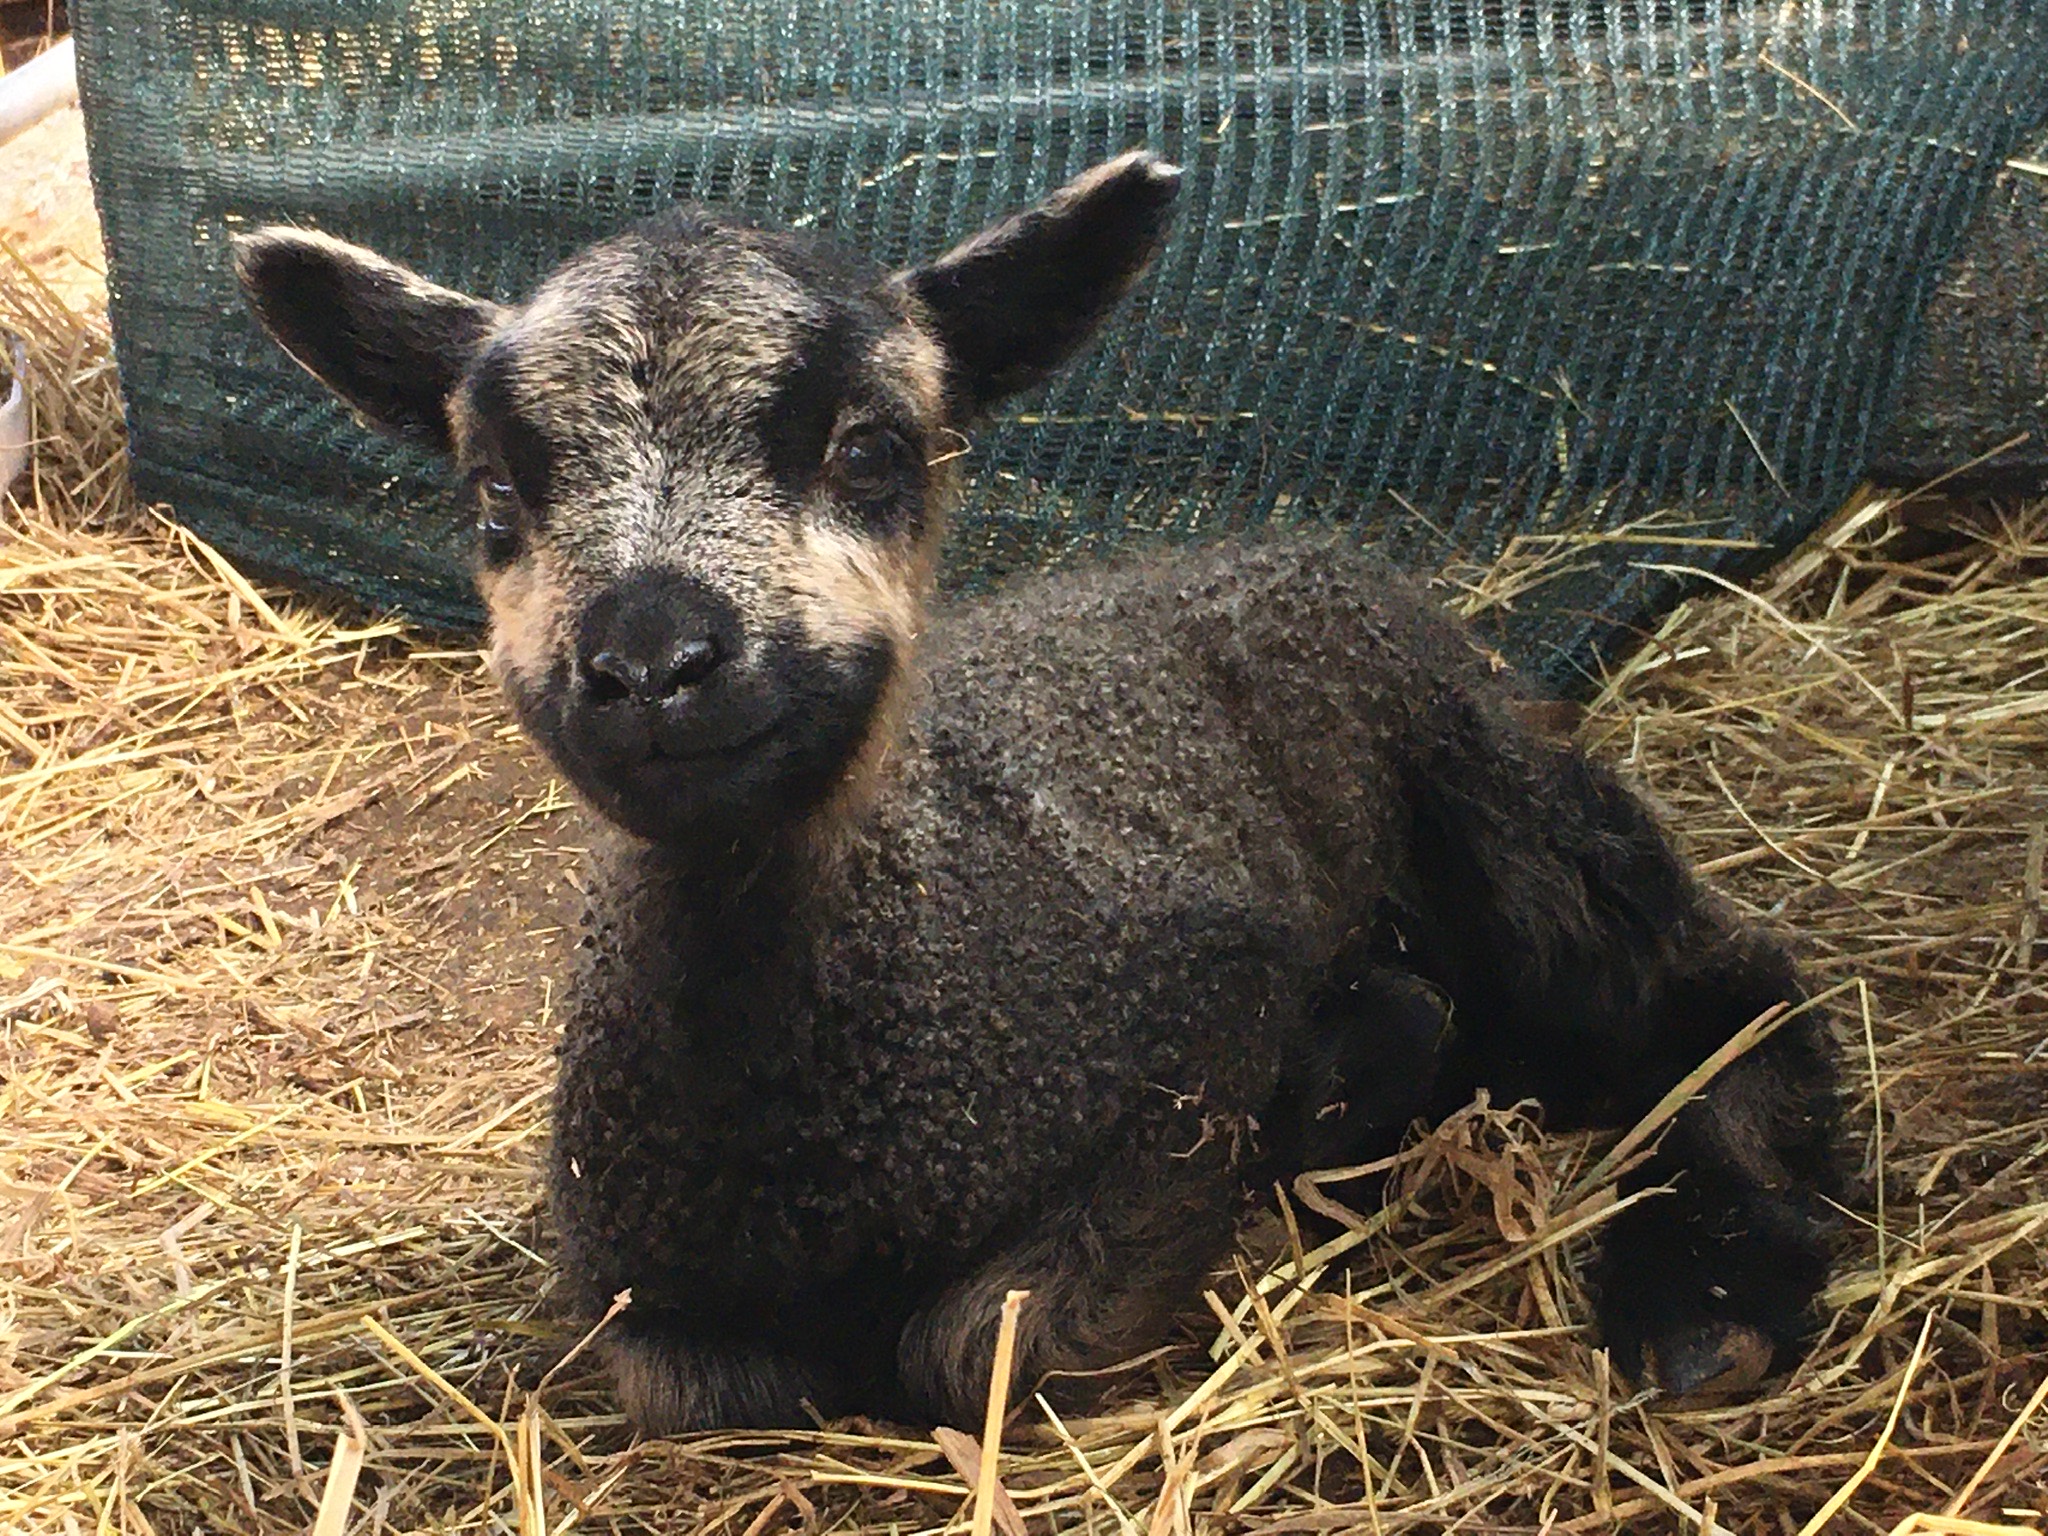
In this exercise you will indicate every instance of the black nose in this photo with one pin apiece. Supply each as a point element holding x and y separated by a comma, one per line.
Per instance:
<point>651,636</point>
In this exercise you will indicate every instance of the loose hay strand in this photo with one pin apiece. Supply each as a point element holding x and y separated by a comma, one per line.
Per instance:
<point>2024,1417</point>
<point>998,1407</point>
<point>340,1490</point>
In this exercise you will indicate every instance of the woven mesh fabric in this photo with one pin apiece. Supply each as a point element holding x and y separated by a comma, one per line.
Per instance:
<point>1975,408</point>
<point>1458,271</point>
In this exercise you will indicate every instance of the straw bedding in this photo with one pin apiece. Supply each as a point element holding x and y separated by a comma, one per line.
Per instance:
<point>280,892</point>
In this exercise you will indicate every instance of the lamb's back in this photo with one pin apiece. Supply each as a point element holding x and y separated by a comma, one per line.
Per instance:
<point>1254,702</point>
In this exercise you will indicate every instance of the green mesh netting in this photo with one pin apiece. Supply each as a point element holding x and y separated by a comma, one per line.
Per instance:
<point>1457,270</point>
<point>1975,408</point>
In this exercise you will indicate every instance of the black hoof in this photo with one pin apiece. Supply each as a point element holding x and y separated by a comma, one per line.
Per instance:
<point>1711,1361</point>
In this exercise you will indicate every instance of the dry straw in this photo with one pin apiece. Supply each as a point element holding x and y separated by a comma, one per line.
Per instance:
<point>281,894</point>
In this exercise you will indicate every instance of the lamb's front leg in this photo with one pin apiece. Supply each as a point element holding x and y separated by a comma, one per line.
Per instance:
<point>1592,972</point>
<point>1105,1270</point>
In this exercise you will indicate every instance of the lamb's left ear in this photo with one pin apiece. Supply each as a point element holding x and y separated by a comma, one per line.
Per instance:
<point>390,343</point>
<point>1015,301</point>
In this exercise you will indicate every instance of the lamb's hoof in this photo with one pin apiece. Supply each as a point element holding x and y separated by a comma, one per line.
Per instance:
<point>1715,1360</point>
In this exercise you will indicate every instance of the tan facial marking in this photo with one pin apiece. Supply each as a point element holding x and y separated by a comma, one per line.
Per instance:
<point>530,619</point>
<point>848,588</point>
<point>914,361</point>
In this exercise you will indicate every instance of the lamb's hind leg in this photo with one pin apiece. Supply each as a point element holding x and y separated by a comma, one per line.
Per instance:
<point>1592,972</point>
<point>669,1383</point>
<point>1105,1273</point>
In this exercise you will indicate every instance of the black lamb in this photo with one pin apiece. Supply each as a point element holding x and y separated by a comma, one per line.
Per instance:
<point>936,953</point>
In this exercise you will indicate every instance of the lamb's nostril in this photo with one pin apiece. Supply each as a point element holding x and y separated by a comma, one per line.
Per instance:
<point>612,676</point>
<point>690,662</point>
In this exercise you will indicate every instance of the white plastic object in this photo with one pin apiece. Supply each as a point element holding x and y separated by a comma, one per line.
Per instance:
<point>14,416</point>
<point>45,84</point>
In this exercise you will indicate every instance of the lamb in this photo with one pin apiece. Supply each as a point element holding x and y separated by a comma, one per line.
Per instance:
<point>934,952</point>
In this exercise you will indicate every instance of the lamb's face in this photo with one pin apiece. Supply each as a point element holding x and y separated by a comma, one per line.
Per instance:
<point>710,474</point>
<point>710,466</point>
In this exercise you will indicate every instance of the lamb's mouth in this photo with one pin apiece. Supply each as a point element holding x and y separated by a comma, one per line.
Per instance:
<point>690,752</point>
<point>695,787</point>
<point>688,767</point>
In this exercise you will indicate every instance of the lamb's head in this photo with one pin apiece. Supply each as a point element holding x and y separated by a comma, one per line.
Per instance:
<point>711,464</point>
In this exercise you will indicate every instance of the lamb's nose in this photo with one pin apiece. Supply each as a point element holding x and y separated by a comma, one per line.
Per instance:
<point>651,637</point>
<point>619,674</point>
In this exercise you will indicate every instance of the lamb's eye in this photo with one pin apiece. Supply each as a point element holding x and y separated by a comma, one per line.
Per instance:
<point>497,521</point>
<point>867,460</point>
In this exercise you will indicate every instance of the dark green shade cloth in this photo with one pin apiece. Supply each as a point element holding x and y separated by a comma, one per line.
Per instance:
<point>1451,270</point>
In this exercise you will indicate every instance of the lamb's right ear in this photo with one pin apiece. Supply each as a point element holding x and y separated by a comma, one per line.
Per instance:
<point>390,343</point>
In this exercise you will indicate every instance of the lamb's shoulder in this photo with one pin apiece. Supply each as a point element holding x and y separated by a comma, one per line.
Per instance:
<point>1032,963</point>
